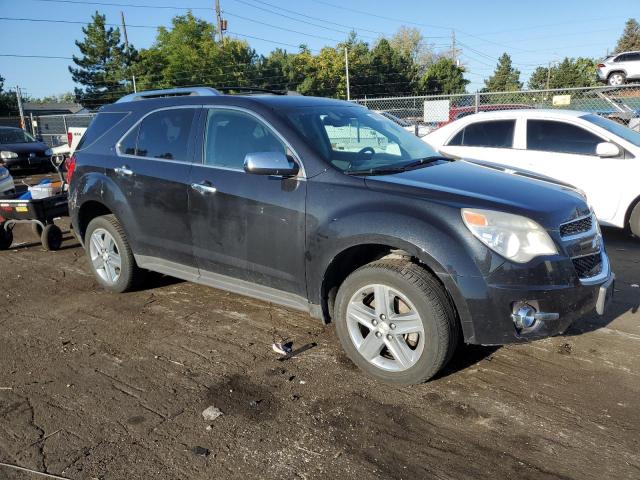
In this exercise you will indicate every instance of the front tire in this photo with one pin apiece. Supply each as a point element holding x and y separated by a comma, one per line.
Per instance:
<point>51,237</point>
<point>110,255</point>
<point>396,322</point>
<point>616,79</point>
<point>6,238</point>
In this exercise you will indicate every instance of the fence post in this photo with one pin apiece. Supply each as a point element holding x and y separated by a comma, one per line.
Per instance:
<point>477,105</point>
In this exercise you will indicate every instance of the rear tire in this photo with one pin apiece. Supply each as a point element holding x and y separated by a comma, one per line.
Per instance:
<point>616,79</point>
<point>6,238</point>
<point>410,341</point>
<point>110,255</point>
<point>51,237</point>
<point>634,221</point>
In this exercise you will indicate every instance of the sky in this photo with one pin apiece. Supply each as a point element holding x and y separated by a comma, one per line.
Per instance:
<point>533,33</point>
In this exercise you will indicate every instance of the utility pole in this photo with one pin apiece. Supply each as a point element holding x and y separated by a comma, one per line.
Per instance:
<point>454,52</point>
<point>346,69</point>
<point>20,110</point>
<point>126,47</point>
<point>222,23</point>
<point>548,75</point>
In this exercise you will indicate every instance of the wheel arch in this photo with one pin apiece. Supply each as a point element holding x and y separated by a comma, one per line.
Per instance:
<point>356,254</point>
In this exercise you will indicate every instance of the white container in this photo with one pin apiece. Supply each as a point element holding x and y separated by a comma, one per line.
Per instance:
<point>44,191</point>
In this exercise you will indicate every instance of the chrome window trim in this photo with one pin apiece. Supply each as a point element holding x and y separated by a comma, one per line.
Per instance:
<point>302,174</point>
<point>119,153</point>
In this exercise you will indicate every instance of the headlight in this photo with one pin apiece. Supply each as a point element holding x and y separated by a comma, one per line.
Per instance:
<point>4,173</point>
<point>516,238</point>
<point>8,155</point>
<point>48,152</point>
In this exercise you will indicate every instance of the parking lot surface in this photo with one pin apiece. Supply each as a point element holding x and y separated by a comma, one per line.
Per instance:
<point>97,385</point>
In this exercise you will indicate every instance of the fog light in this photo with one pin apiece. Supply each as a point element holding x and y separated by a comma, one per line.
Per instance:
<point>524,317</point>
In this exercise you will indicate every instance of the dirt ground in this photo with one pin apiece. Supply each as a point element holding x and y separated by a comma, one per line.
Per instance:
<point>96,385</point>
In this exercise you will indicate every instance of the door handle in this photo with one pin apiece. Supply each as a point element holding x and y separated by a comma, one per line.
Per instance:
<point>204,188</point>
<point>123,170</point>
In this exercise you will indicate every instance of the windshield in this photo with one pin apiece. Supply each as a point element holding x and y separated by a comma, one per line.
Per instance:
<point>354,139</point>
<point>615,128</point>
<point>15,136</point>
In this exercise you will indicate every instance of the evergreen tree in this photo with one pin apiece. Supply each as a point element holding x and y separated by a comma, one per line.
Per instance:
<point>103,68</point>
<point>630,39</point>
<point>443,76</point>
<point>505,78</point>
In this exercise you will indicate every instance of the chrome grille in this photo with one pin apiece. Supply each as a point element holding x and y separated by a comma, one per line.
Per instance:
<point>576,227</point>
<point>588,266</point>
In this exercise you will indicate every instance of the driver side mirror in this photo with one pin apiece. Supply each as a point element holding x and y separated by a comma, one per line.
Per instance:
<point>270,163</point>
<point>607,150</point>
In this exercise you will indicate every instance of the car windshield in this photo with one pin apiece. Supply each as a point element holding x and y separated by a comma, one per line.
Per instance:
<point>15,136</point>
<point>615,128</point>
<point>359,141</point>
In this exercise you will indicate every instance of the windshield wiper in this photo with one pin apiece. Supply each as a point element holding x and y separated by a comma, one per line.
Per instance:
<point>386,170</point>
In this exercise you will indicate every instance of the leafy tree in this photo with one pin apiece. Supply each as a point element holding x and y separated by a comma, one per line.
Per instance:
<point>630,39</point>
<point>409,42</point>
<point>8,101</point>
<point>505,78</point>
<point>103,68</point>
<point>443,76</point>
<point>67,97</point>
<point>186,54</point>
<point>578,72</point>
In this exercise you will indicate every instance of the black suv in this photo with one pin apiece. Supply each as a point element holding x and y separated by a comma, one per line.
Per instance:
<point>324,206</point>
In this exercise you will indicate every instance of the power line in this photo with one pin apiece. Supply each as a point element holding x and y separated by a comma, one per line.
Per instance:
<point>323,20</point>
<point>132,5</point>
<point>280,28</point>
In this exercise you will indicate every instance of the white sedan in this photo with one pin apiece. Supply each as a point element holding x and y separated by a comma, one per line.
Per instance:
<point>596,155</point>
<point>6,182</point>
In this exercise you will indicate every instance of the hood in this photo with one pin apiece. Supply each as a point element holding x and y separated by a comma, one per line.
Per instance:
<point>465,184</point>
<point>35,147</point>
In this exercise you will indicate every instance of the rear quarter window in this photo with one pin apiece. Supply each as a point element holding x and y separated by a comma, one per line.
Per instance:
<point>494,133</point>
<point>101,124</point>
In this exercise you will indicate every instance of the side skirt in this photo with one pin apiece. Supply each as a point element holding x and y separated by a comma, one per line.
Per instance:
<point>223,282</point>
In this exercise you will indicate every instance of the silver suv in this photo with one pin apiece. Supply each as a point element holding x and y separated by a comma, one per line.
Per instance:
<point>618,69</point>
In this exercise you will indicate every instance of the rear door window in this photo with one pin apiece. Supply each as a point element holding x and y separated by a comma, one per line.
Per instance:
<point>165,135</point>
<point>495,134</point>
<point>551,136</point>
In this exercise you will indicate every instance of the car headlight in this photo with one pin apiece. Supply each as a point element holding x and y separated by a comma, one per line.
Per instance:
<point>4,173</point>
<point>48,152</point>
<point>516,238</point>
<point>8,155</point>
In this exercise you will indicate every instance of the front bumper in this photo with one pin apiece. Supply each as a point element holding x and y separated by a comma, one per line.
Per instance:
<point>486,307</point>
<point>26,163</point>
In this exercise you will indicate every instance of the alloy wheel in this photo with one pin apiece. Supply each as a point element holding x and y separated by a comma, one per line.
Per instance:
<point>105,256</point>
<point>385,327</point>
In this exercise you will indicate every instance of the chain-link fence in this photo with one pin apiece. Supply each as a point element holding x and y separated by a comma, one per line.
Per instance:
<point>52,129</point>
<point>618,103</point>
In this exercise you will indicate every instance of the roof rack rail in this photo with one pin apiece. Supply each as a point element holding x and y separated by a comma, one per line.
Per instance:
<point>169,92</point>
<point>257,90</point>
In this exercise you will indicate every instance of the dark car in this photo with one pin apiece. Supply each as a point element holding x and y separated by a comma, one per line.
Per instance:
<point>18,150</point>
<point>323,206</point>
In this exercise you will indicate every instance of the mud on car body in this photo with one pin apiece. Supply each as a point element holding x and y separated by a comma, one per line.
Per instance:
<point>327,207</point>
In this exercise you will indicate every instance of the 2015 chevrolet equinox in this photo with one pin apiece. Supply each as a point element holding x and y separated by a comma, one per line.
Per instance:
<point>324,206</point>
